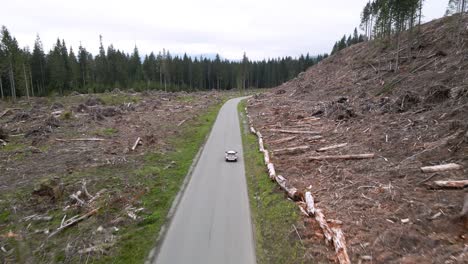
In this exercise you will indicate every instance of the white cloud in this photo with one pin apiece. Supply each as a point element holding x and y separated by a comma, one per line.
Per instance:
<point>261,28</point>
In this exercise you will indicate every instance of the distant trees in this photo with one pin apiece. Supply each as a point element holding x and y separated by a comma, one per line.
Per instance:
<point>63,69</point>
<point>381,18</point>
<point>456,6</point>
<point>345,42</point>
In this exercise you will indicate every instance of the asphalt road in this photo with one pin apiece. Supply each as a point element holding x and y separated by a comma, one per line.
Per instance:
<point>212,222</point>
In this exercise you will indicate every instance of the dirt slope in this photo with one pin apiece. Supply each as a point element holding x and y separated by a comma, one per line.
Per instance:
<point>412,117</point>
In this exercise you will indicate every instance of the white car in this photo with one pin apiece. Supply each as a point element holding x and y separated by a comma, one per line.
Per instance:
<point>231,155</point>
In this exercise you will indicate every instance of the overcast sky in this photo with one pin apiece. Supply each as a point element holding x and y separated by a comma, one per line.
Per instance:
<point>261,28</point>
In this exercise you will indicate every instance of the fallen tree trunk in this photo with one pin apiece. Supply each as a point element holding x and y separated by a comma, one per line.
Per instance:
<point>344,157</point>
<point>283,140</point>
<point>80,139</point>
<point>332,147</point>
<point>442,167</point>
<point>452,184</point>
<point>313,138</point>
<point>294,131</point>
<point>293,150</point>
<point>253,130</point>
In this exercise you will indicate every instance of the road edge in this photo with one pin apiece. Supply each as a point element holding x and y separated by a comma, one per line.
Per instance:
<point>162,232</point>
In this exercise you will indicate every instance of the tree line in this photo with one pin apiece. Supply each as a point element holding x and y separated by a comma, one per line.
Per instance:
<point>381,19</point>
<point>62,70</point>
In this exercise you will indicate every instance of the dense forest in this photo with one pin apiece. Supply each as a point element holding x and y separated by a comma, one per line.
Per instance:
<point>63,70</point>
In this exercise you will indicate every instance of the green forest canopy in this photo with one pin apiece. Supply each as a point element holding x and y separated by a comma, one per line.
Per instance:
<point>63,70</point>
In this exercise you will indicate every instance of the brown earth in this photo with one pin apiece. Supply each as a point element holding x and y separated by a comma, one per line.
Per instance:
<point>414,116</point>
<point>41,165</point>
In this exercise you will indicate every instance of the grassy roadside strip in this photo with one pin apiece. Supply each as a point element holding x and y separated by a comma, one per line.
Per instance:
<point>141,238</point>
<point>273,215</point>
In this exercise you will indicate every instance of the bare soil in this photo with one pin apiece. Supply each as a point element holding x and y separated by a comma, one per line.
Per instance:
<point>414,116</point>
<point>45,160</point>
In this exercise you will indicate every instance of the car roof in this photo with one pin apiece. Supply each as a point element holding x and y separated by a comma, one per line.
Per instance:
<point>231,152</point>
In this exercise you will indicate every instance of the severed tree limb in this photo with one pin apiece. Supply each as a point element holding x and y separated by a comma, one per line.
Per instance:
<point>344,157</point>
<point>137,142</point>
<point>85,190</point>
<point>181,122</point>
<point>253,130</point>
<point>332,147</point>
<point>452,184</point>
<point>73,221</point>
<point>294,131</point>
<point>75,197</point>
<point>442,167</point>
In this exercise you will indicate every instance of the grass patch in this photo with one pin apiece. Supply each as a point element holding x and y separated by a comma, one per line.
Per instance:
<point>106,132</point>
<point>273,215</point>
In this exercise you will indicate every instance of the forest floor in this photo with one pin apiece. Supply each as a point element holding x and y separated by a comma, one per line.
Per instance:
<point>391,211</point>
<point>75,186</point>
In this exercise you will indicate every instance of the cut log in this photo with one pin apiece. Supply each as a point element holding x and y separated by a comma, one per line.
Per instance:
<point>281,182</point>
<point>283,140</point>
<point>309,199</point>
<point>293,150</point>
<point>271,171</point>
<point>452,184</point>
<point>313,138</point>
<point>344,157</point>
<point>79,139</point>
<point>443,167</point>
<point>339,243</point>
<point>137,142</point>
<point>292,192</point>
<point>294,131</point>
<point>327,232</point>
<point>261,148</point>
<point>311,119</point>
<point>253,130</point>
<point>266,156</point>
<point>332,147</point>
<point>259,135</point>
